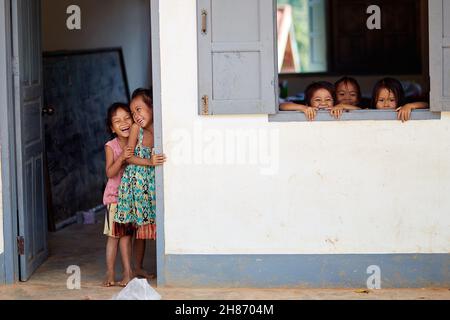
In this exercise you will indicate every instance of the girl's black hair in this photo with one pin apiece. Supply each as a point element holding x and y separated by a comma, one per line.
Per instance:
<point>112,111</point>
<point>145,94</point>
<point>351,80</point>
<point>313,87</point>
<point>394,86</point>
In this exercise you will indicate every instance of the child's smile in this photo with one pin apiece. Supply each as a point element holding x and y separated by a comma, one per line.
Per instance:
<point>125,130</point>
<point>142,114</point>
<point>121,123</point>
<point>322,99</point>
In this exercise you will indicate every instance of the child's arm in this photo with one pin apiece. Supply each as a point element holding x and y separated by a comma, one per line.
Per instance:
<point>113,167</point>
<point>404,113</point>
<point>289,106</point>
<point>309,112</point>
<point>132,142</point>
<point>154,161</point>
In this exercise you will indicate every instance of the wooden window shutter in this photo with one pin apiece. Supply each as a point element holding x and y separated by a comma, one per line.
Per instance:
<point>439,11</point>
<point>237,57</point>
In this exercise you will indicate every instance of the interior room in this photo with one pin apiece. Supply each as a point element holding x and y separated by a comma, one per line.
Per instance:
<point>85,70</point>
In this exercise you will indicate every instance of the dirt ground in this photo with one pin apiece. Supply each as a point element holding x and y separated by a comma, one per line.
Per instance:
<point>84,246</point>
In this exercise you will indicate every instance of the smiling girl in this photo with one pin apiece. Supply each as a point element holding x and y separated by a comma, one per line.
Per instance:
<point>319,96</point>
<point>119,123</point>
<point>348,91</point>
<point>136,205</point>
<point>388,94</point>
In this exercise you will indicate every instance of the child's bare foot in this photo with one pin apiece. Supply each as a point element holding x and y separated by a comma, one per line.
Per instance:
<point>127,277</point>
<point>143,274</point>
<point>109,281</point>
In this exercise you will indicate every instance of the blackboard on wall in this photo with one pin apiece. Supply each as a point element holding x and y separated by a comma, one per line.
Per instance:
<point>79,87</point>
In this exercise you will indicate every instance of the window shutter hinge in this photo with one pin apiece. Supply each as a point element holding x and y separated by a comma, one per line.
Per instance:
<point>205,105</point>
<point>21,246</point>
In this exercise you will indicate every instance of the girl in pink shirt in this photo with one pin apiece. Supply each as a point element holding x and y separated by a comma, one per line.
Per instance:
<point>119,123</point>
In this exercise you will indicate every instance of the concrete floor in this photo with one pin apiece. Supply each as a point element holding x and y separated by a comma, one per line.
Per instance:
<point>84,246</point>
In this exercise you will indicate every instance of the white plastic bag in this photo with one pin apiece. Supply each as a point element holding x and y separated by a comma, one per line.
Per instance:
<point>137,289</point>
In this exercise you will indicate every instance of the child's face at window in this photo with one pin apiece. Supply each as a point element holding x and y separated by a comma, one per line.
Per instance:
<point>322,99</point>
<point>142,114</point>
<point>386,100</point>
<point>347,93</point>
<point>121,123</point>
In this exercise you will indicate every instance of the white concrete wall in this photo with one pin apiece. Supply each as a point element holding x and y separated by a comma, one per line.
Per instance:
<point>105,23</point>
<point>342,187</point>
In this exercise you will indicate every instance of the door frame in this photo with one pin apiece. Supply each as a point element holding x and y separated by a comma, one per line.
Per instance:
<point>157,122</point>
<point>8,148</point>
<point>10,272</point>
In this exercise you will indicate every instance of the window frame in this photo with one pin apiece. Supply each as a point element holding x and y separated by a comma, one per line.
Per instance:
<point>356,115</point>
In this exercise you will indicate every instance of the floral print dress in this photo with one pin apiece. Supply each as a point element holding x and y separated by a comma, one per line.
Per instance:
<point>136,201</point>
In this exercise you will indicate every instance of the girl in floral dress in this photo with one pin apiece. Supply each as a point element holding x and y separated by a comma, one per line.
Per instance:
<point>136,201</point>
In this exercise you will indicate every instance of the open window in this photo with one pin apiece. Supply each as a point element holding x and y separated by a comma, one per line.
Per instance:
<point>239,53</point>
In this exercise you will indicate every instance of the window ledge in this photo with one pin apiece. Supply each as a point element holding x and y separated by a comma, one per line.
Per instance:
<point>357,115</point>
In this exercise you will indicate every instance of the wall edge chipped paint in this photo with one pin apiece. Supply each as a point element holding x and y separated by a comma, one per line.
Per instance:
<point>307,271</point>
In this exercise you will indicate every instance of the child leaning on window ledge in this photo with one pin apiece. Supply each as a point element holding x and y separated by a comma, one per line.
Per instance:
<point>348,92</point>
<point>388,94</point>
<point>319,96</point>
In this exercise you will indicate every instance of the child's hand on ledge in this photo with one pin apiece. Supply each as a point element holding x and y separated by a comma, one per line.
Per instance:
<point>337,112</point>
<point>309,112</point>
<point>339,109</point>
<point>404,113</point>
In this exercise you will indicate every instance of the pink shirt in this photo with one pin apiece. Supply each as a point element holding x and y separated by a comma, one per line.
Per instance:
<point>112,187</point>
